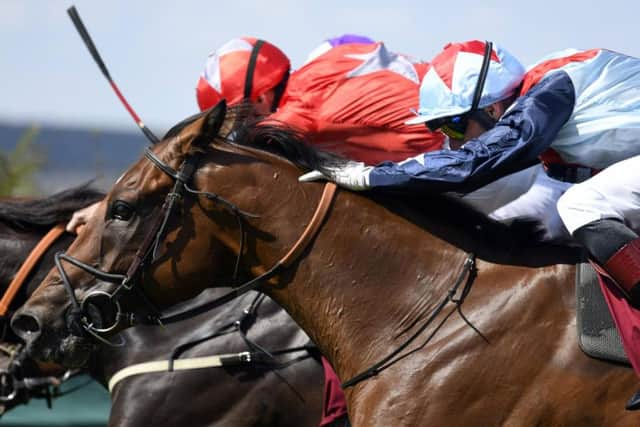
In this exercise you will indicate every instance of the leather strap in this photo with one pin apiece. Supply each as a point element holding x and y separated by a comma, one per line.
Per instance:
<point>482,76</point>
<point>178,365</point>
<point>26,267</point>
<point>294,253</point>
<point>314,225</point>
<point>251,68</point>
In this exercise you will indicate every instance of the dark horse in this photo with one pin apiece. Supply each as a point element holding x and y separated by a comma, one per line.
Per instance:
<point>284,391</point>
<point>371,278</point>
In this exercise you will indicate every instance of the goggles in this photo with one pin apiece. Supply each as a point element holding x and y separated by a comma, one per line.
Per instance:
<point>455,127</point>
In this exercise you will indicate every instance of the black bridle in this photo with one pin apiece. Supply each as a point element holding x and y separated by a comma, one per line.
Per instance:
<point>86,318</point>
<point>81,319</point>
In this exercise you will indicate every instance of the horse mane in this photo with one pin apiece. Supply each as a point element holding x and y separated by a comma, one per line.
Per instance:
<point>444,215</point>
<point>284,141</point>
<point>48,211</point>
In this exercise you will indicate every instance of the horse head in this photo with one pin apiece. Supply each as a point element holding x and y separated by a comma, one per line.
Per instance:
<point>23,223</point>
<point>172,225</point>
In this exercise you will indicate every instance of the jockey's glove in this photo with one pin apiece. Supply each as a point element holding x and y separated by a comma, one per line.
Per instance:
<point>351,175</point>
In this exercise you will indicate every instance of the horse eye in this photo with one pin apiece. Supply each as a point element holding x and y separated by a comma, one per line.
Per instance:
<point>121,211</point>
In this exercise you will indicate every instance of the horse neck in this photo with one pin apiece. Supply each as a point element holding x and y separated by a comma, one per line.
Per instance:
<point>371,279</point>
<point>366,281</point>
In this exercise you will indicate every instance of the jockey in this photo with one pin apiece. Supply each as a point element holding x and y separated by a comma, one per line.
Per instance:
<point>244,70</point>
<point>576,111</point>
<point>324,98</point>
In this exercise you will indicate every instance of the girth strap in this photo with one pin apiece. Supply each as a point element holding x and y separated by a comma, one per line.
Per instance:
<point>27,266</point>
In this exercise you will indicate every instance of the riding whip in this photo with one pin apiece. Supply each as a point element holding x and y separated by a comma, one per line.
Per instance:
<point>86,38</point>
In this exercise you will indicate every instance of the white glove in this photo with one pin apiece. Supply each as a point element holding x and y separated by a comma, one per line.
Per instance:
<point>353,175</point>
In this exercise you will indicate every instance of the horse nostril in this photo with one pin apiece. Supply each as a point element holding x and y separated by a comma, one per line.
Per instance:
<point>25,325</point>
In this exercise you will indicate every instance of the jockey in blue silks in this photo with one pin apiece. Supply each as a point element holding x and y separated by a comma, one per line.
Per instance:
<point>576,111</point>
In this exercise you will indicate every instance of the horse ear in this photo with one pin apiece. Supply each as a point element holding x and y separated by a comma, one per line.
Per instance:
<point>212,123</point>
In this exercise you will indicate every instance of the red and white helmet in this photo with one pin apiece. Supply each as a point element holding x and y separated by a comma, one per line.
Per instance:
<point>453,81</point>
<point>241,70</point>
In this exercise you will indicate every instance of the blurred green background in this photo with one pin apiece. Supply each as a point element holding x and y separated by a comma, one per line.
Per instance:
<point>87,406</point>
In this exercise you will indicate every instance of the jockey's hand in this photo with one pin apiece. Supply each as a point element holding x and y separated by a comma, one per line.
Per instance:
<point>80,218</point>
<point>351,175</point>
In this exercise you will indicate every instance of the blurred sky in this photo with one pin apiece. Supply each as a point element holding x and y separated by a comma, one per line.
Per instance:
<point>156,49</point>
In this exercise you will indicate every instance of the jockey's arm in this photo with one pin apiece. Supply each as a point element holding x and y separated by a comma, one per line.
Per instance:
<point>526,130</point>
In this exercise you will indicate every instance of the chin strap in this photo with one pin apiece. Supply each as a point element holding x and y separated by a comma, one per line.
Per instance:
<point>481,116</point>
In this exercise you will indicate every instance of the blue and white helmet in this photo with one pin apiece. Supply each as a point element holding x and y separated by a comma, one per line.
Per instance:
<point>449,86</point>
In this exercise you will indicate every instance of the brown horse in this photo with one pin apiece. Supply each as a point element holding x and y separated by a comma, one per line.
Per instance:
<point>372,277</point>
<point>284,391</point>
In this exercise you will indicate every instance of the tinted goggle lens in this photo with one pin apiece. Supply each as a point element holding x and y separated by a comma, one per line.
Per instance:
<point>454,127</point>
<point>452,132</point>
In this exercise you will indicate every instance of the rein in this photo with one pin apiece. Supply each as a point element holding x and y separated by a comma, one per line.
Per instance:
<point>27,266</point>
<point>296,250</point>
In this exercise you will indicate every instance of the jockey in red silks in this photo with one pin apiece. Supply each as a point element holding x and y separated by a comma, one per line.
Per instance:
<point>577,111</point>
<point>351,97</point>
